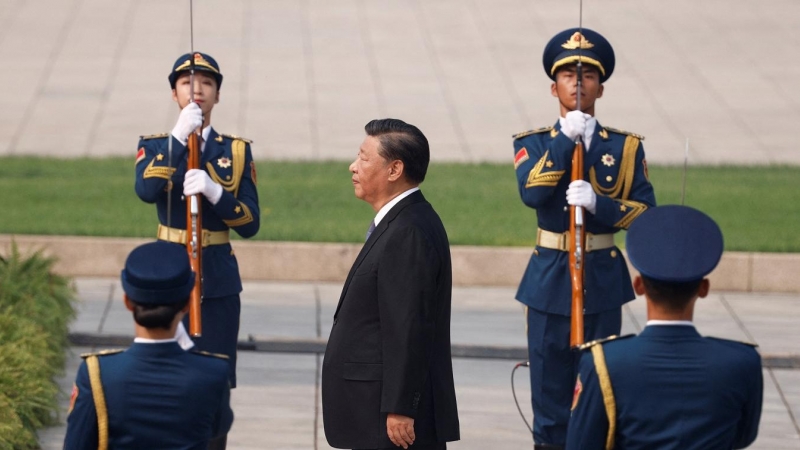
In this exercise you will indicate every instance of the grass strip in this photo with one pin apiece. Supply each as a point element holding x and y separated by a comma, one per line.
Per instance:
<point>756,207</point>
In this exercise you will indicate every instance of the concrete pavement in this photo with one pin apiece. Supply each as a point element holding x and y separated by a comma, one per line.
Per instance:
<point>86,77</point>
<point>277,401</point>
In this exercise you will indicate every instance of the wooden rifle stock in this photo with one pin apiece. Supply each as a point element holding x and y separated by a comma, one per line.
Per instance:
<point>194,240</point>
<point>577,242</point>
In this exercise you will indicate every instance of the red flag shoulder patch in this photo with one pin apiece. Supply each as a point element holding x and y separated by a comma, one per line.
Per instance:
<point>72,398</point>
<point>139,155</point>
<point>646,173</point>
<point>576,394</point>
<point>520,157</point>
<point>253,171</point>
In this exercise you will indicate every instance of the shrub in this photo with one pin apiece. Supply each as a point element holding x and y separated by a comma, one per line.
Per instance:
<point>36,307</point>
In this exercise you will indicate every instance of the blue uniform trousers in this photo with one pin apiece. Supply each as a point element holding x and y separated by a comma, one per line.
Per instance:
<point>220,320</point>
<point>554,367</point>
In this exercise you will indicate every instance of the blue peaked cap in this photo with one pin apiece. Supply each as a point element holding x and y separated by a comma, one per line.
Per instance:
<point>568,46</point>
<point>674,243</point>
<point>202,63</point>
<point>158,273</point>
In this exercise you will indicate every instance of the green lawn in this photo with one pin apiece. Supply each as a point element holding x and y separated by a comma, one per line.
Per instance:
<point>756,207</point>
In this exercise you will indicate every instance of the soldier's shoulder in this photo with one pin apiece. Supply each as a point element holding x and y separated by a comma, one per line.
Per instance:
<point>109,352</point>
<point>209,354</point>
<point>532,132</point>
<point>624,133</point>
<point>147,137</point>
<point>603,341</point>
<point>233,137</point>
<point>732,342</point>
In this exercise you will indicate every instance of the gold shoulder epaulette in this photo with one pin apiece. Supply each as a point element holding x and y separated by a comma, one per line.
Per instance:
<point>233,136</point>
<point>613,337</point>
<point>628,133</point>
<point>530,132</point>
<point>103,353</point>
<point>154,136</point>
<point>205,353</point>
<point>749,344</point>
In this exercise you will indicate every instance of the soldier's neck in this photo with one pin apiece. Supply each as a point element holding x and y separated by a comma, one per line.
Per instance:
<point>155,333</point>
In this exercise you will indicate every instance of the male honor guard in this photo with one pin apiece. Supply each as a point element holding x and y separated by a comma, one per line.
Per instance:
<point>154,394</point>
<point>669,387</point>
<point>614,191</point>
<point>227,182</point>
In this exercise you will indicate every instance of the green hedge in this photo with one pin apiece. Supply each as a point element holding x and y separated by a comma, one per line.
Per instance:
<point>36,307</point>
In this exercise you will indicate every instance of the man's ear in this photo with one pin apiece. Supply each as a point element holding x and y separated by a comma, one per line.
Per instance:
<point>705,287</point>
<point>128,302</point>
<point>554,89</point>
<point>600,90</point>
<point>638,285</point>
<point>396,169</point>
<point>175,96</point>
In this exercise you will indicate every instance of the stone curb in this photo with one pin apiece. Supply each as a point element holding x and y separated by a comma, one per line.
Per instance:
<point>305,261</point>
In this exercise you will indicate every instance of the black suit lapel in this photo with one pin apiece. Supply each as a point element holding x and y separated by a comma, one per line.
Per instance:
<point>373,238</point>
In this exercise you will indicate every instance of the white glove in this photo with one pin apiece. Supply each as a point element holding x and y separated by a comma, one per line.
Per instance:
<point>575,124</point>
<point>190,119</point>
<point>580,193</point>
<point>198,182</point>
<point>183,337</point>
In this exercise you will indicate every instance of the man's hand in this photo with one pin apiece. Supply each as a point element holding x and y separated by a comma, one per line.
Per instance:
<point>198,182</point>
<point>575,124</point>
<point>580,193</point>
<point>190,119</point>
<point>400,430</point>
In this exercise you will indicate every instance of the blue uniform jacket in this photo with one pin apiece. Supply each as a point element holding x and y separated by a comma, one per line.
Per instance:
<point>673,389</point>
<point>229,162</point>
<point>615,165</point>
<point>157,396</point>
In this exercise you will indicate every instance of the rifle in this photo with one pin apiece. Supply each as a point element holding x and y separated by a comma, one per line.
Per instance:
<point>577,234</point>
<point>194,219</point>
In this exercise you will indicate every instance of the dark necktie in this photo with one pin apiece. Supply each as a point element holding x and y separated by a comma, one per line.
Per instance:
<point>370,230</point>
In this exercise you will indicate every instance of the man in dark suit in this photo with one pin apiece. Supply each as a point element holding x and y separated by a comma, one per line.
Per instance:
<point>387,378</point>
<point>153,395</point>
<point>669,387</point>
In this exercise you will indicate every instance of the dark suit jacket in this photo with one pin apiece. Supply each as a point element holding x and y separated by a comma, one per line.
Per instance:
<point>389,348</point>
<point>673,389</point>
<point>157,396</point>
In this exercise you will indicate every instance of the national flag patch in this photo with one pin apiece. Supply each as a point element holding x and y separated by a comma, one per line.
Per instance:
<point>253,171</point>
<point>520,157</point>
<point>140,155</point>
<point>576,394</point>
<point>646,173</point>
<point>72,398</point>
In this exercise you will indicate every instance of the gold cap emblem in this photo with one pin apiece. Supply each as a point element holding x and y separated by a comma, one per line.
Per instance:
<point>577,40</point>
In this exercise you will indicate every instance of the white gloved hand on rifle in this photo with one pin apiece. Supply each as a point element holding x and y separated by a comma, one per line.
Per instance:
<point>183,337</point>
<point>198,182</point>
<point>190,119</point>
<point>574,124</point>
<point>580,193</point>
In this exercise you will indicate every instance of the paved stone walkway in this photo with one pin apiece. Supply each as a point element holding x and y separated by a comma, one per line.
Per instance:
<point>302,77</point>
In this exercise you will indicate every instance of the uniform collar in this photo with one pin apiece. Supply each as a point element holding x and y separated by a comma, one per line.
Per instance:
<point>170,348</point>
<point>669,332</point>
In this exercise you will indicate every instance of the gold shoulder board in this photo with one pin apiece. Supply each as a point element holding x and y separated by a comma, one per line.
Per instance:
<point>233,136</point>
<point>530,132</point>
<point>154,136</point>
<point>613,337</point>
<point>103,353</point>
<point>749,344</point>
<point>215,355</point>
<point>627,133</point>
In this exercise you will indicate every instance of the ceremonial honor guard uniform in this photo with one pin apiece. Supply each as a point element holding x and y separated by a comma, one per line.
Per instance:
<point>669,387</point>
<point>228,161</point>
<point>154,395</point>
<point>614,164</point>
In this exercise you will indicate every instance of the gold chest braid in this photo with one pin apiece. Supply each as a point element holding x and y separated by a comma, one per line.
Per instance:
<point>627,169</point>
<point>238,147</point>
